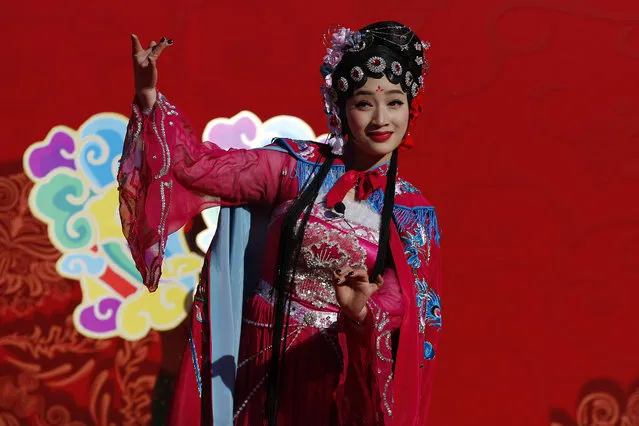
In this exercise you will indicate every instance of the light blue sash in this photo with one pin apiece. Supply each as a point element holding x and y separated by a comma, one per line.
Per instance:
<point>235,257</point>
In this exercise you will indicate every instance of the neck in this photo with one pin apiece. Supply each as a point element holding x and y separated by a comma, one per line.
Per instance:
<point>361,161</point>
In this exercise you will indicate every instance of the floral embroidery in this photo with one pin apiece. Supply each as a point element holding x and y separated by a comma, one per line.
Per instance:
<point>384,352</point>
<point>429,351</point>
<point>307,150</point>
<point>414,245</point>
<point>325,249</point>
<point>403,187</point>
<point>429,306</point>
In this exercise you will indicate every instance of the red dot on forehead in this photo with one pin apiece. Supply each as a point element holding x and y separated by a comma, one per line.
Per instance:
<point>379,89</point>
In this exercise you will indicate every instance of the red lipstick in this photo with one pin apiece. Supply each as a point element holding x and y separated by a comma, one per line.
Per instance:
<point>380,136</point>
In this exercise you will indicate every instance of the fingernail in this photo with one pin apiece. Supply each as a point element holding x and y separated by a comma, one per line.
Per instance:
<point>162,39</point>
<point>170,41</point>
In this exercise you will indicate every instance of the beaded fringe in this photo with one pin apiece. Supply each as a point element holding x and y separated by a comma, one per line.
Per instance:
<point>305,172</point>
<point>406,217</point>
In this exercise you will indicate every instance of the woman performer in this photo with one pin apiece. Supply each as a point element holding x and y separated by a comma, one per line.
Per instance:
<point>341,291</point>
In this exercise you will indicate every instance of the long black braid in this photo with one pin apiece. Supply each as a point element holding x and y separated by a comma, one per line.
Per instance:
<point>292,235</point>
<point>387,216</point>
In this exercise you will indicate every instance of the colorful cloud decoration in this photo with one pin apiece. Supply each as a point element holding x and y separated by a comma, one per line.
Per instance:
<point>75,194</point>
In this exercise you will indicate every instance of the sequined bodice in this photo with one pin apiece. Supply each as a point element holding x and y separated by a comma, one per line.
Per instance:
<point>331,241</point>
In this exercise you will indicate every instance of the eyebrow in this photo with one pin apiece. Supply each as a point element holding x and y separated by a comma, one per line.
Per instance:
<point>368,92</point>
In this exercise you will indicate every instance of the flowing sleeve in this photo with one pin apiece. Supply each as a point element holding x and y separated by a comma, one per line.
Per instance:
<point>419,340</point>
<point>167,176</point>
<point>429,288</point>
<point>364,393</point>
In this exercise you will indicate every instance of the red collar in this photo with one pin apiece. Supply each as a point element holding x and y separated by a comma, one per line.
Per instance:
<point>365,183</point>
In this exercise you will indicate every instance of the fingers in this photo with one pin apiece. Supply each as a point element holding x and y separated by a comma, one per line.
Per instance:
<point>358,275</point>
<point>346,274</point>
<point>136,47</point>
<point>156,50</point>
<point>152,52</point>
<point>339,275</point>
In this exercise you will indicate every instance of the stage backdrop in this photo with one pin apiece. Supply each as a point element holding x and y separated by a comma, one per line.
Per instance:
<point>528,147</point>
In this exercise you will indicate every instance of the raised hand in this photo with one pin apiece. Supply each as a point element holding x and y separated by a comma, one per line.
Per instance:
<point>352,290</point>
<point>145,72</point>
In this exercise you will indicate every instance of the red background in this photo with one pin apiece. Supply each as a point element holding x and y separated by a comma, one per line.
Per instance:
<point>528,148</point>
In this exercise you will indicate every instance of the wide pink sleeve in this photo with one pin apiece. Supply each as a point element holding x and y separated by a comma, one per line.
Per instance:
<point>167,176</point>
<point>364,393</point>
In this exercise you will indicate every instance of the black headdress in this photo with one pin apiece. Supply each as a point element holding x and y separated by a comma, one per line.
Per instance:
<point>382,49</point>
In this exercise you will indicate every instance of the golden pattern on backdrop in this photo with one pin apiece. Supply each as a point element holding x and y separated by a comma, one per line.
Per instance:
<point>48,370</point>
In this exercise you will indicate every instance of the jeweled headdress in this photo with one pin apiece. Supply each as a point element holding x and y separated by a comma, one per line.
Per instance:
<point>382,49</point>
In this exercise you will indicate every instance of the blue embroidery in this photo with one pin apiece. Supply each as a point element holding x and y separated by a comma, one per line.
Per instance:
<point>429,351</point>
<point>413,245</point>
<point>403,187</point>
<point>376,200</point>
<point>429,306</point>
<point>408,217</point>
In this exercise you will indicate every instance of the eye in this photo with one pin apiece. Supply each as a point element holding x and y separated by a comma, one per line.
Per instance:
<point>396,103</point>
<point>363,104</point>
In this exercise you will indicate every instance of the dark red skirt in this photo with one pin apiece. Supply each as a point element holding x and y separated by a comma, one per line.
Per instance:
<point>310,376</point>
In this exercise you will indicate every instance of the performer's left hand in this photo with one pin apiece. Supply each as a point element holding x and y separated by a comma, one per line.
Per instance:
<point>352,290</point>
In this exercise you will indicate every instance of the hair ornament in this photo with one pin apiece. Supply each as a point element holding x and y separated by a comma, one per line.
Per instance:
<point>342,40</point>
<point>408,78</point>
<point>396,68</point>
<point>342,84</point>
<point>376,64</point>
<point>357,74</point>
<point>414,89</point>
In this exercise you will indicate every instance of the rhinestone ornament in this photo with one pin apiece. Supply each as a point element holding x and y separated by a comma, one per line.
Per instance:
<point>342,84</point>
<point>414,89</point>
<point>408,78</point>
<point>376,64</point>
<point>357,74</point>
<point>396,68</point>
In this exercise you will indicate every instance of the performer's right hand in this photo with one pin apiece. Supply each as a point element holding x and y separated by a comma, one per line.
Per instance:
<point>145,70</point>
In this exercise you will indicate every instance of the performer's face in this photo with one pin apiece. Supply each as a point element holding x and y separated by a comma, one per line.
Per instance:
<point>377,116</point>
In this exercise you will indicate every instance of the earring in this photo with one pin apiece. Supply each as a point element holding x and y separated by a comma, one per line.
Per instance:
<point>407,142</point>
